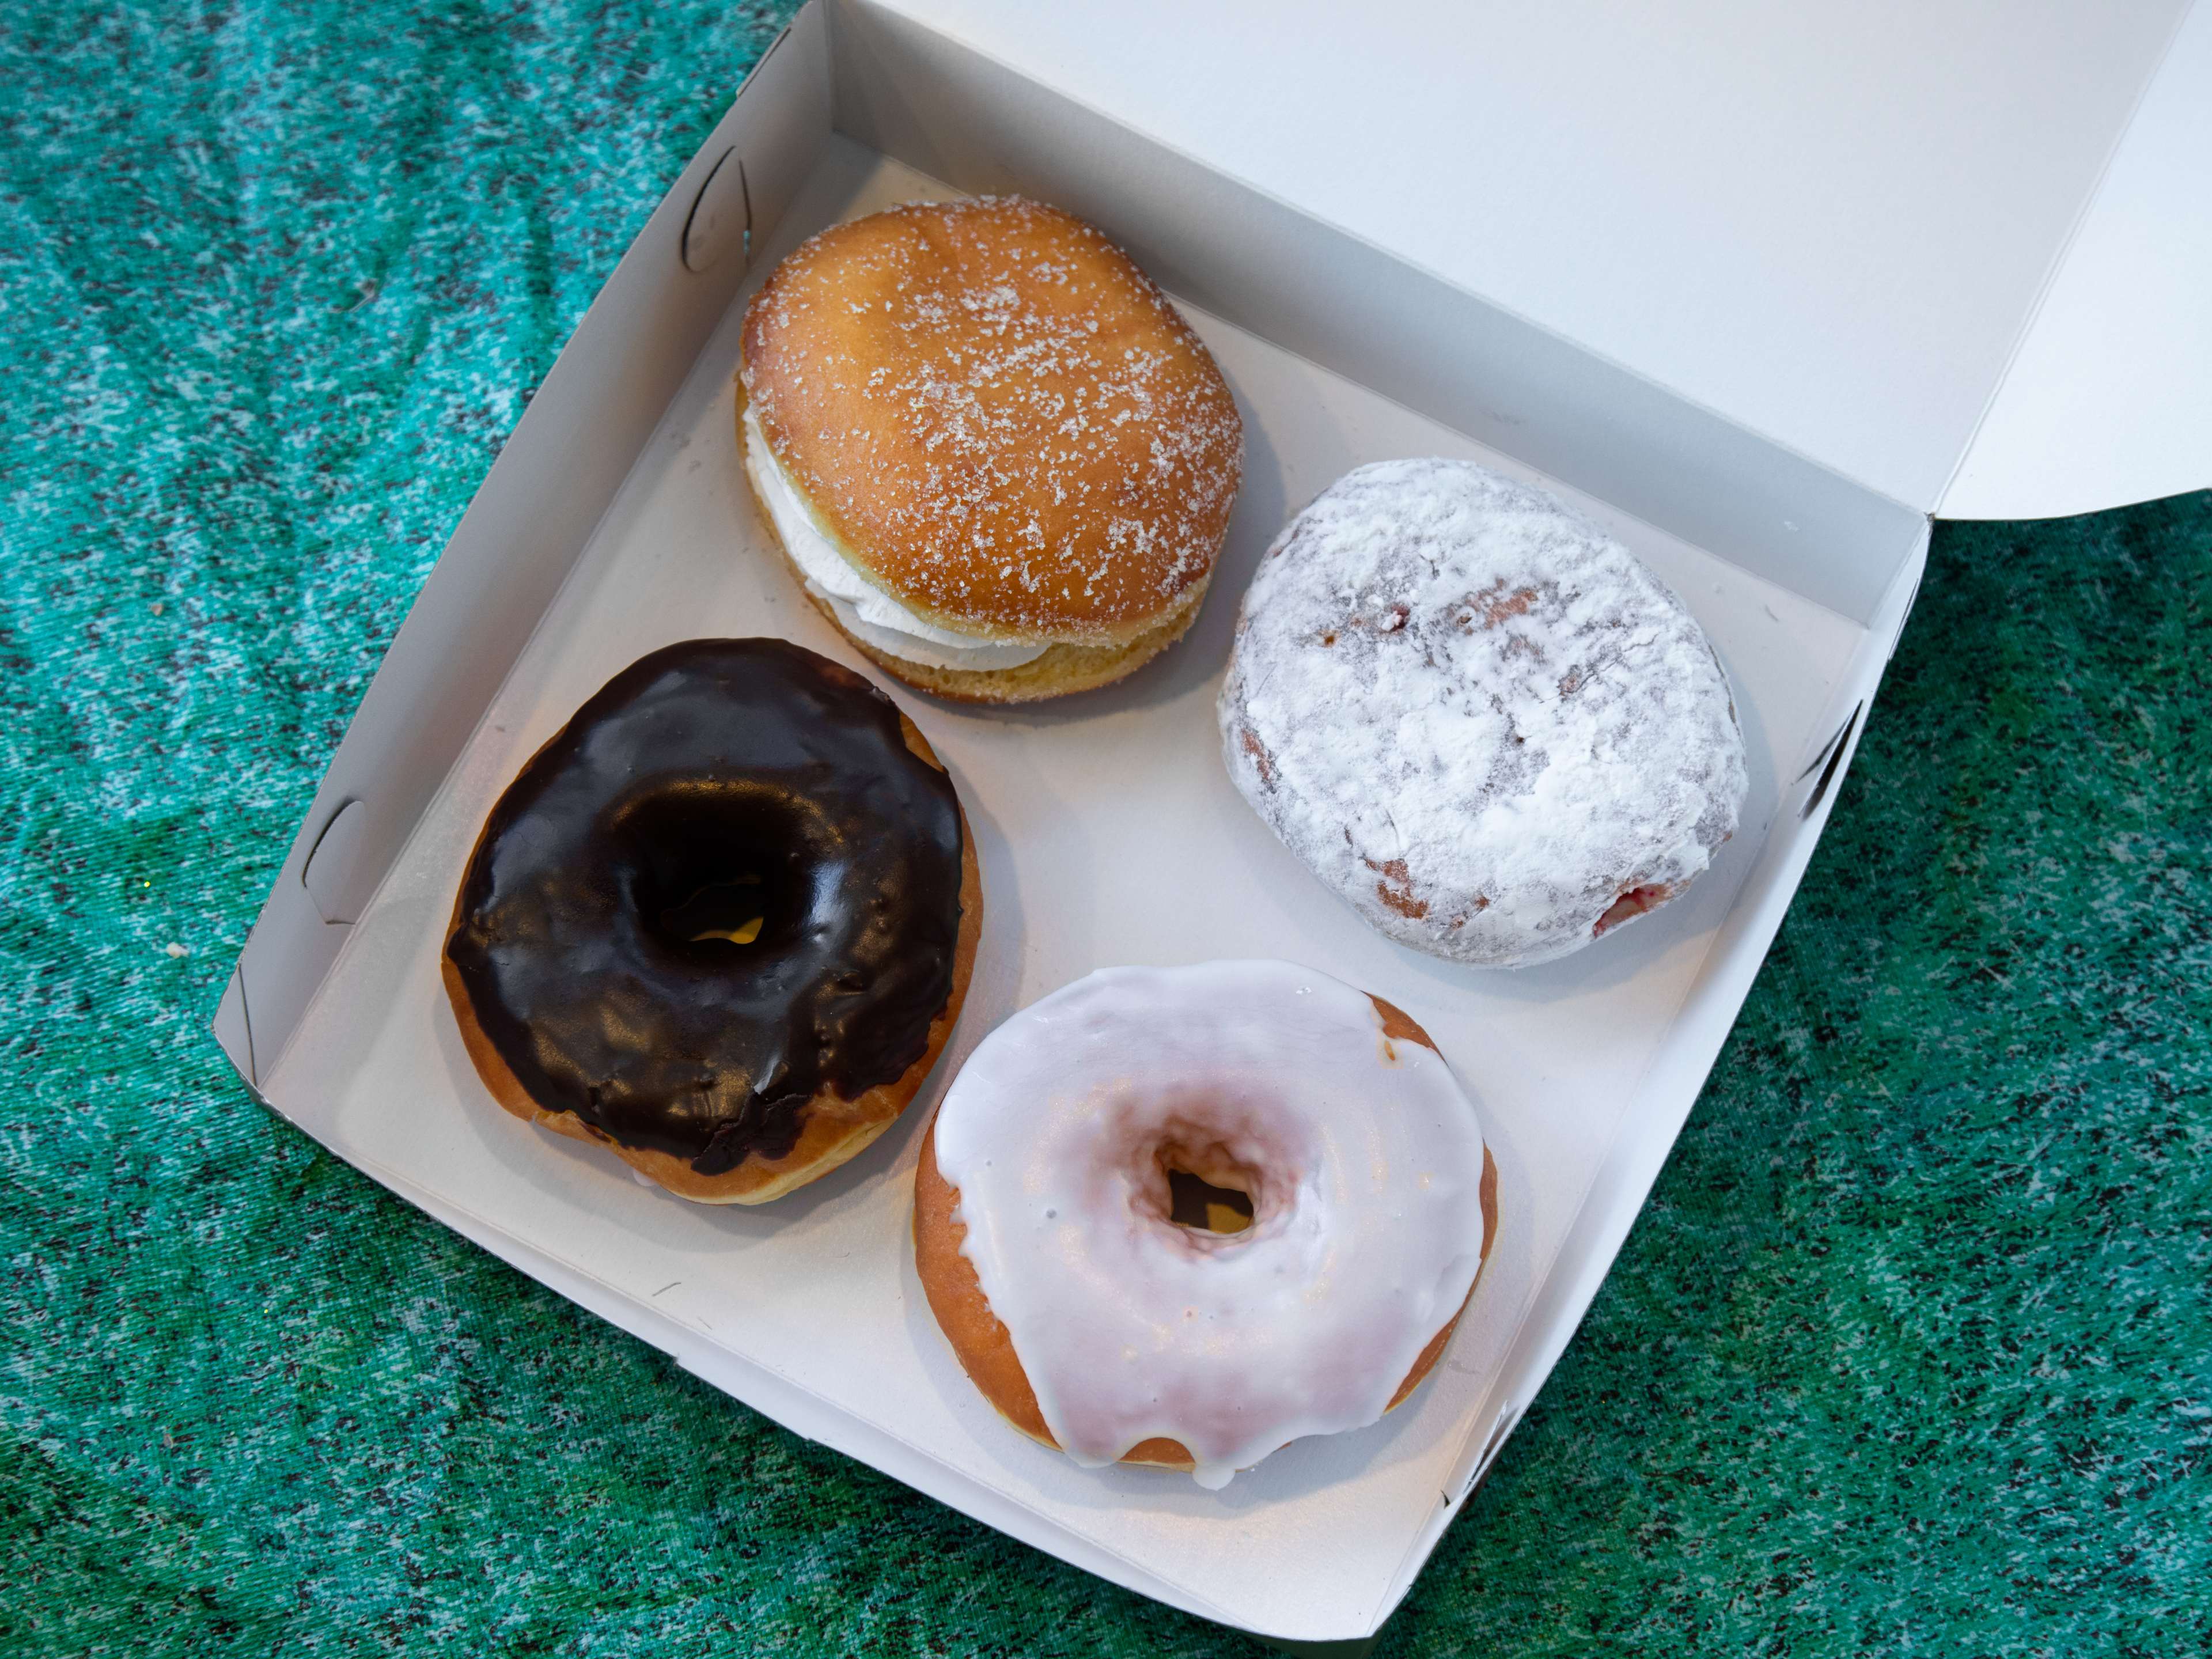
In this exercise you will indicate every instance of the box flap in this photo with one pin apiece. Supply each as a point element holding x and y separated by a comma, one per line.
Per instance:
<point>1830,224</point>
<point>2110,399</point>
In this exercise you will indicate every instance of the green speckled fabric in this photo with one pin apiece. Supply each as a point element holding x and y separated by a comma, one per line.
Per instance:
<point>1911,1353</point>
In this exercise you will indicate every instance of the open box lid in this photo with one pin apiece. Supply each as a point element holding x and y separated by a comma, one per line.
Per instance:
<point>1960,253</point>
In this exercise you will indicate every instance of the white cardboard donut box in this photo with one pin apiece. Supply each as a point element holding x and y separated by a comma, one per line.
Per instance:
<point>1788,501</point>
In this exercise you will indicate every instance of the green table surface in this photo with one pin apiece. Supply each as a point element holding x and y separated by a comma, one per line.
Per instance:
<point>1911,1352</point>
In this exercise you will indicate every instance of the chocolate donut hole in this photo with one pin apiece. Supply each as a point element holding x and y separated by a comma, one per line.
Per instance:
<point>722,878</point>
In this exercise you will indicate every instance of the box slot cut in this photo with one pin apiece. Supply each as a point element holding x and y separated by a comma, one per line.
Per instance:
<point>334,875</point>
<point>1832,753</point>
<point>722,214</point>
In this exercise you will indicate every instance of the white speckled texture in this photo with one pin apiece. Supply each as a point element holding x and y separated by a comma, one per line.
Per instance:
<point>1007,424</point>
<point>1363,1157</point>
<point>1477,716</point>
<point>862,609</point>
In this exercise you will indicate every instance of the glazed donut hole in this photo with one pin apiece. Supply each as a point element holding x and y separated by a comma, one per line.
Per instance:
<point>721,878</point>
<point>1209,1186</point>
<point>1202,1205</point>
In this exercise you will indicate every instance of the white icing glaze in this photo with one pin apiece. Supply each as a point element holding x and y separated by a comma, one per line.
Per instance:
<point>863,609</point>
<point>1363,1156</point>
<point>1477,716</point>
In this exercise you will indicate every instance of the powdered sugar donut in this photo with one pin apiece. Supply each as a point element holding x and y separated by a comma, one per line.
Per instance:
<point>1096,1317</point>
<point>1477,716</point>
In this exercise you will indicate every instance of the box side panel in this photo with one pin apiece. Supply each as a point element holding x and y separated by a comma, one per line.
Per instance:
<point>1670,1088</point>
<point>521,536</point>
<point>956,114</point>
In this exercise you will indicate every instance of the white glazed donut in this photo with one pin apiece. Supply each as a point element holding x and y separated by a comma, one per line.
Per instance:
<point>1477,716</point>
<point>1100,1324</point>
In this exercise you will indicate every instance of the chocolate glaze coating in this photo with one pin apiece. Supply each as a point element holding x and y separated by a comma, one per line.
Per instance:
<point>707,784</point>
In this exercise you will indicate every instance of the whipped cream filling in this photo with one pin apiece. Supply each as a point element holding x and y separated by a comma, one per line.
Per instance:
<point>862,609</point>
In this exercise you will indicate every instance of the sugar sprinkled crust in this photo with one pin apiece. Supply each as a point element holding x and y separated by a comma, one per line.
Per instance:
<point>1477,716</point>
<point>999,416</point>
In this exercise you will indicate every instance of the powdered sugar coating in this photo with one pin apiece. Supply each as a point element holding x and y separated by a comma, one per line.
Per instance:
<point>999,416</point>
<point>1477,716</point>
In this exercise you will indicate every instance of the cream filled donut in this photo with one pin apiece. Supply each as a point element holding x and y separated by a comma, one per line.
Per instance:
<point>1045,1232</point>
<point>996,457</point>
<point>1477,716</point>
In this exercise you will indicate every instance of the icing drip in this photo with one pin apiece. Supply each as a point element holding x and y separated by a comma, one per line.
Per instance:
<point>1361,1155</point>
<point>1477,716</point>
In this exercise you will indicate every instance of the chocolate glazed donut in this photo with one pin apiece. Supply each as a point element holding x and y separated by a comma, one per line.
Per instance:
<point>721,923</point>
